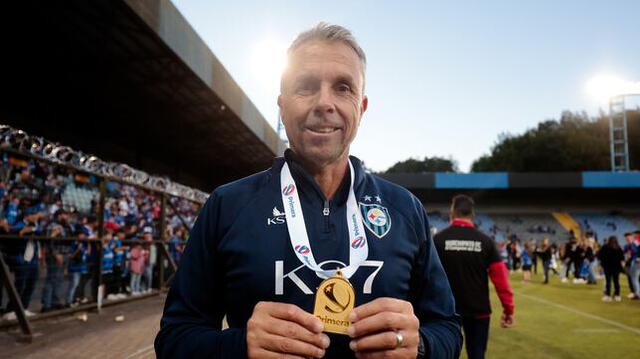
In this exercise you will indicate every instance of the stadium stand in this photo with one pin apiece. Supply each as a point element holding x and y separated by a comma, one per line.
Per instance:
<point>78,197</point>
<point>604,225</point>
<point>525,226</point>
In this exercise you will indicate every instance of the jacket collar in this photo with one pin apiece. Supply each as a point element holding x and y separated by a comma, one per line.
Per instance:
<point>460,222</point>
<point>307,184</point>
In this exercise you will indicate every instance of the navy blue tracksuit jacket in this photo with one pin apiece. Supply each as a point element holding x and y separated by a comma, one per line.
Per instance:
<point>239,253</point>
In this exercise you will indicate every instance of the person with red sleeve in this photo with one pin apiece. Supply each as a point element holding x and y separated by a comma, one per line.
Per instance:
<point>470,258</point>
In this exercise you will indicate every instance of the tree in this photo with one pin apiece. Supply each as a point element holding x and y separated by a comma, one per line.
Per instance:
<point>573,143</point>
<point>428,164</point>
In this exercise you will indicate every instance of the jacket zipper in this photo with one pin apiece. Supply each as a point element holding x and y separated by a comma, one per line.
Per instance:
<point>325,212</point>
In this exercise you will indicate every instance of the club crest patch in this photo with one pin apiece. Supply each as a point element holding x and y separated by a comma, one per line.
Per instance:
<point>376,218</point>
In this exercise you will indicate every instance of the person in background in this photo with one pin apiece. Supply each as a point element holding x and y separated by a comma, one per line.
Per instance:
<point>628,250</point>
<point>138,258</point>
<point>544,252</point>
<point>534,254</point>
<point>470,258</point>
<point>77,266</point>
<point>116,244</point>
<point>525,257</point>
<point>634,268</point>
<point>106,270</point>
<point>591,248</point>
<point>568,257</point>
<point>56,253</point>
<point>611,258</point>
<point>26,260</point>
<point>147,275</point>
<point>90,228</point>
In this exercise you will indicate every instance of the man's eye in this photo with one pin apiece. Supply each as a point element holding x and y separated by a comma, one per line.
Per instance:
<point>305,88</point>
<point>343,88</point>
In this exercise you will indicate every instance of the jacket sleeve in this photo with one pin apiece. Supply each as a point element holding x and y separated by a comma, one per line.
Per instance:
<point>432,298</point>
<point>499,276</point>
<point>191,323</point>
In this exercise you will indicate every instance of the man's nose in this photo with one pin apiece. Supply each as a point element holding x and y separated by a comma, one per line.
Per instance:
<point>324,101</point>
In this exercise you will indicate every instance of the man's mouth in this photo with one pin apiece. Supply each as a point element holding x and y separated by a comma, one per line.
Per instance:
<point>323,130</point>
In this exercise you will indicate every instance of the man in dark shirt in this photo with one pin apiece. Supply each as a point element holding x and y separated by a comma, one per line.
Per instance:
<point>469,257</point>
<point>262,244</point>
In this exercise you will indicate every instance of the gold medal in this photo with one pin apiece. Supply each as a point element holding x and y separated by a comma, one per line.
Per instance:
<point>335,298</point>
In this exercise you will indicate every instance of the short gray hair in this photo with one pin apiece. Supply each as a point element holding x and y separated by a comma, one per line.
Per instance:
<point>327,32</point>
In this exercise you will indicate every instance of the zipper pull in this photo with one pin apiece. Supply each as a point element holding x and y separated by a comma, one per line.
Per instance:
<point>326,210</point>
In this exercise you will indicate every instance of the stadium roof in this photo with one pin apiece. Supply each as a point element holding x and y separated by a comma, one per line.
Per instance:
<point>613,190</point>
<point>130,81</point>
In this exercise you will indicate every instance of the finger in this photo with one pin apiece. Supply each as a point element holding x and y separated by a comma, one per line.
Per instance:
<point>293,313</point>
<point>375,342</point>
<point>380,305</point>
<point>284,345</point>
<point>381,322</point>
<point>261,353</point>
<point>385,354</point>
<point>295,331</point>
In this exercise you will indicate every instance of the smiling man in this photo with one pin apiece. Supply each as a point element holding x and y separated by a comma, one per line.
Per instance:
<point>313,257</point>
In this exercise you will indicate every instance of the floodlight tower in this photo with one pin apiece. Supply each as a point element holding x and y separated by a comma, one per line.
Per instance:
<point>618,138</point>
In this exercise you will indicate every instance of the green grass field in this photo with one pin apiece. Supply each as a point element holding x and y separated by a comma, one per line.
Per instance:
<point>565,320</point>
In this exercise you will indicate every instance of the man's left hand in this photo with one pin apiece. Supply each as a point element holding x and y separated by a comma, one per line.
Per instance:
<point>375,325</point>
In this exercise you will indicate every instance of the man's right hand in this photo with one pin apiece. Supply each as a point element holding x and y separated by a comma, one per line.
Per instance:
<point>280,330</point>
<point>507,320</point>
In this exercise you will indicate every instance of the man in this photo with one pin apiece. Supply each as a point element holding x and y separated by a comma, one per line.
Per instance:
<point>633,249</point>
<point>570,256</point>
<point>56,253</point>
<point>467,256</point>
<point>242,261</point>
<point>147,276</point>
<point>25,260</point>
<point>119,251</point>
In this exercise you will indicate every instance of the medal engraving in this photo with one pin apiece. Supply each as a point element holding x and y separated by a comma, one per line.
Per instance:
<point>334,301</point>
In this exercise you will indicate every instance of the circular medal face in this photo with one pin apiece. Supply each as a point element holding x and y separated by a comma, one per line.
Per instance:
<point>334,301</point>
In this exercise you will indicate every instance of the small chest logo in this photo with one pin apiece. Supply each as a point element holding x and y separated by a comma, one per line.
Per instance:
<point>288,190</point>
<point>376,218</point>
<point>302,249</point>
<point>358,242</point>
<point>276,218</point>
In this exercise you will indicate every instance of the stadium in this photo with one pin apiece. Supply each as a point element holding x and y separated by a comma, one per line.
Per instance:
<point>118,121</point>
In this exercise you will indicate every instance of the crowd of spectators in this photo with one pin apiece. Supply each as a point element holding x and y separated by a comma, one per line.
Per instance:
<point>62,271</point>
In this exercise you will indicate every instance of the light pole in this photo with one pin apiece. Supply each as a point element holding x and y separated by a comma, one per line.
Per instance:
<point>618,138</point>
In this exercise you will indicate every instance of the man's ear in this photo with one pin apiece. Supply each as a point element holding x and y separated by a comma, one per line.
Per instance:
<point>364,105</point>
<point>280,102</point>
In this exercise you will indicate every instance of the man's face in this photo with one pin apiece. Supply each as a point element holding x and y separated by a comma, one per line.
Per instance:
<point>321,100</point>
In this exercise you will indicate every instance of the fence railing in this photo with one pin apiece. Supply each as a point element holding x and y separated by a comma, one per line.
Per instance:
<point>93,259</point>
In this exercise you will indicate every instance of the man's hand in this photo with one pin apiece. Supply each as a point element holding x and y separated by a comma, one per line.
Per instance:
<point>507,320</point>
<point>279,330</point>
<point>374,326</point>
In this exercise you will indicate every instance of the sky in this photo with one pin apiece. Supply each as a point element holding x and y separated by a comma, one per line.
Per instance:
<point>444,78</point>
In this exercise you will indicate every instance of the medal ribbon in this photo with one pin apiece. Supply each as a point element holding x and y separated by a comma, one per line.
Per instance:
<point>358,246</point>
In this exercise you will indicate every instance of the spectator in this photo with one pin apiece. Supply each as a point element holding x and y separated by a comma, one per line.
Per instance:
<point>148,244</point>
<point>611,258</point>
<point>628,250</point>
<point>26,261</point>
<point>106,270</point>
<point>56,256</point>
<point>634,268</point>
<point>544,252</point>
<point>525,256</point>
<point>119,250</point>
<point>77,266</point>
<point>139,256</point>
